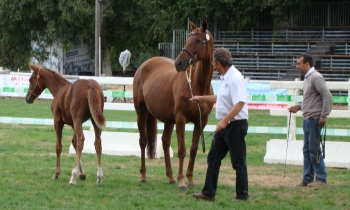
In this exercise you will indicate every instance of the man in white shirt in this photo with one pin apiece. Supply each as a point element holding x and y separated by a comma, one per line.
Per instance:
<point>232,127</point>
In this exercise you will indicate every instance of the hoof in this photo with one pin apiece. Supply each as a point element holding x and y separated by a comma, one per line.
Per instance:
<point>99,181</point>
<point>192,185</point>
<point>55,177</point>
<point>82,176</point>
<point>172,182</point>
<point>142,181</point>
<point>71,183</point>
<point>183,188</point>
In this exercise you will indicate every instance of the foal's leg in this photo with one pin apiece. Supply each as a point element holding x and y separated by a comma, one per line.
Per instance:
<point>78,132</point>
<point>81,171</point>
<point>193,153</point>
<point>98,148</point>
<point>180,133</point>
<point>166,140</point>
<point>141,124</point>
<point>58,128</point>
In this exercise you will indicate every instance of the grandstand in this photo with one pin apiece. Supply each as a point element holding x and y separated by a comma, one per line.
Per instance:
<point>267,51</point>
<point>271,55</point>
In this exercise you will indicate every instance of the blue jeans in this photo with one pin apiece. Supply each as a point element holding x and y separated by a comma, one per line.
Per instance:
<point>232,140</point>
<point>311,144</point>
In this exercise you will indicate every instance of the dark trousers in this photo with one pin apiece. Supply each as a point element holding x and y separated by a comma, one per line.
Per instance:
<point>231,139</point>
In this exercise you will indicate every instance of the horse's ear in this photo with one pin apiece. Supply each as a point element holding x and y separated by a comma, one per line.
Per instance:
<point>33,67</point>
<point>204,26</point>
<point>193,26</point>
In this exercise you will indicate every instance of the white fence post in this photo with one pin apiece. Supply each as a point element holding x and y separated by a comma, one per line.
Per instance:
<point>291,123</point>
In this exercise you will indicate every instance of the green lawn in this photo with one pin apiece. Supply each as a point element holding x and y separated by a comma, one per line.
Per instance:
<point>27,163</point>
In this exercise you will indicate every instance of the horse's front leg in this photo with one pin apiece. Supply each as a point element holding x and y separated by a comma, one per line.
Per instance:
<point>58,128</point>
<point>193,152</point>
<point>98,148</point>
<point>166,140</point>
<point>79,137</point>
<point>180,133</point>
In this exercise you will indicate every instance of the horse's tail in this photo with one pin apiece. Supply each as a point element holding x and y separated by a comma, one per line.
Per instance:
<point>96,110</point>
<point>151,136</point>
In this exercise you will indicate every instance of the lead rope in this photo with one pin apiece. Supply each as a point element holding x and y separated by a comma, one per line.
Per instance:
<point>321,144</point>
<point>188,77</point>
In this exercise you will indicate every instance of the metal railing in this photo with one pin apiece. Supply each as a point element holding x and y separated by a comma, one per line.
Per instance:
<point>335,64</point>
<point>286,35</point>
<point>342,49</point>
<point>268,48</point>
<point>264,63</point>
<point>166,50</point>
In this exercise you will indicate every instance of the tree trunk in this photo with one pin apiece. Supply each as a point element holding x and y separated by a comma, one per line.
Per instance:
<point>106,63</point>
<point>106,59</point>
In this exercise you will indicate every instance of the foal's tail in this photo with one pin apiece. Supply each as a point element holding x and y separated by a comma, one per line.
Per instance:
<point>96,110</point>
<point>151,136</point>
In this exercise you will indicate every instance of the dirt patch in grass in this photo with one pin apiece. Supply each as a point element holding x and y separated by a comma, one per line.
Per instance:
<point>264,176</point>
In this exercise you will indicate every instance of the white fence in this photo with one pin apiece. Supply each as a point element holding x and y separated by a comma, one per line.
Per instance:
<point>293,92</point>
<point>290,151</point>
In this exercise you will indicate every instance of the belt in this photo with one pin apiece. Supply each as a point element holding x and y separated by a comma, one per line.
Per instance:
<point>233,120</point>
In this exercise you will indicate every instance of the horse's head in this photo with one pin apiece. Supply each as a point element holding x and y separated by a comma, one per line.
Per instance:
<point>36,85</point>
<point>199,46</point>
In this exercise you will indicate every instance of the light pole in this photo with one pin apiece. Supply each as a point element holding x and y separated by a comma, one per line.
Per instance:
<point>97,36</point>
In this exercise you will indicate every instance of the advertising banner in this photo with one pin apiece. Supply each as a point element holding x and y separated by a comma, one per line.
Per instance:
<point>261,96</point>
<point>77,60</point>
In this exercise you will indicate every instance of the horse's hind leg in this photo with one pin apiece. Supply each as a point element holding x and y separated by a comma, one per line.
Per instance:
<point>141,123</point>
<point>79,137</point>
<point>58,128</point>
<point>166,140</point>
<point>81,171</point>
<point>98,148</point>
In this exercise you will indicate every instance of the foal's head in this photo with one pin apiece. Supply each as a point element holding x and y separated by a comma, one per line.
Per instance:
<point>199,46</point>
<point>36,84</point>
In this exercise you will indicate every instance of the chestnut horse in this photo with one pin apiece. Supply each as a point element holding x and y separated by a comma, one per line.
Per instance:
<point>73,104</point>
<point>162,91</point>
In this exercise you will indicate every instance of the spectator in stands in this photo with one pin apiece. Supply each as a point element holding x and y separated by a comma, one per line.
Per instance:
<point>316,106</point>
<point>232,115</point>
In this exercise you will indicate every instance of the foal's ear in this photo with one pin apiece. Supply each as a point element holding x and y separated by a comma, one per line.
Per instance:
<point>193,26</point>
<point>204,26</point>
<point>35,68</point>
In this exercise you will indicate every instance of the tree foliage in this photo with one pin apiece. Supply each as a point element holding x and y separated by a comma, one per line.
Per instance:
<point>136,25</point>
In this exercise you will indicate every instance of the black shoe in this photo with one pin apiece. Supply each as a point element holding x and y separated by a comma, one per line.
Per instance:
<point>204,196</point>
<point>241,197</point>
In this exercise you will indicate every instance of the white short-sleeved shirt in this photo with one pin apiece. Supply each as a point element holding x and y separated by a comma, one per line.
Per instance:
<point>233,89</point>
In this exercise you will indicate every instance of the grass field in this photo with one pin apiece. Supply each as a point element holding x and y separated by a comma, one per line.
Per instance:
<point>27,163</point>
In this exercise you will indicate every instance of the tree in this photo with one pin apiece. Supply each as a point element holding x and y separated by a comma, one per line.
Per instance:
<point>18,19</point>
<point>136,25</point>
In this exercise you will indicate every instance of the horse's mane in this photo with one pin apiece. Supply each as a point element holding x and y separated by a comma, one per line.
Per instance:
<point>57,74</point>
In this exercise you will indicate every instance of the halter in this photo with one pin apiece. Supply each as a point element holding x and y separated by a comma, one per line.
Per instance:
<point>37,84</point>
<point>191,62</point>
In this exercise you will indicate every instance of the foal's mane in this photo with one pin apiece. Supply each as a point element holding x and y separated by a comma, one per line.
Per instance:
<point>56,74</point>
